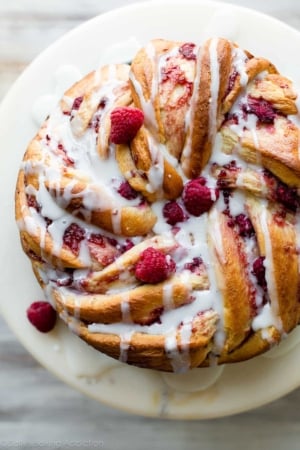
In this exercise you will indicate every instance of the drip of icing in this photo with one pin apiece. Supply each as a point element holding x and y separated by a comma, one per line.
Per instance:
<point>168,296</point>
<point>285,346</point>
<point>125,309</point>
<point>214,88</point>
<point>121,51</point>
<point>216,237</point>
<point>44,105</point>
<point>269,315</point>
<point>124,345</point>
<point>190,114</point>
<point>116,220</point>
<point>83,360</point>
<point>161,226</point>
<point>156,173</point>
<point>64,77</point>
<point>265,318</point>
<point>239,63</point>
<point>195,380</point>
<point>237,203</point>
<point>218,156</point>
<point>180,360</point>
<point>147,105</point>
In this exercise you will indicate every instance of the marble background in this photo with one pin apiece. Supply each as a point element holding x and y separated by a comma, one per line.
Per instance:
<point>36,409</point>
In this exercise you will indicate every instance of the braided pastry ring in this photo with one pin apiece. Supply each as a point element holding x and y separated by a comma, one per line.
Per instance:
<point>179,247</point>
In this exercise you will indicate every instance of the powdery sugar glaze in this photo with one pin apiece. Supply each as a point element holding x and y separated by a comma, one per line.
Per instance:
<point>190,314</point>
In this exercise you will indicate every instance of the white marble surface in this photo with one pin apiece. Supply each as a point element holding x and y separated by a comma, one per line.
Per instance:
<point>39,411</point>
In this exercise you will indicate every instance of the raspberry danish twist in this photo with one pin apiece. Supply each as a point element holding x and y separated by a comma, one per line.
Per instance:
<point>159,206</point>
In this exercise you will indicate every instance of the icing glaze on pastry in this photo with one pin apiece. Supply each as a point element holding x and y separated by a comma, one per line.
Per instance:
<point>218,140</point>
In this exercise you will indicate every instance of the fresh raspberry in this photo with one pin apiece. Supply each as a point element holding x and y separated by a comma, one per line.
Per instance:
<point>154,266</point>
<point>42,316</point>
<point>72,237</point>
<point>125,123</point>
<point>260,272</point>
<point>197,197</point>
<point>261,108</point>
<point>173,213</point>
<point>126,191</point>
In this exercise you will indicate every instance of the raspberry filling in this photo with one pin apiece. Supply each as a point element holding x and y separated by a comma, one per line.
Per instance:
<point>126,191</point>
<point>259,271</point>
<point>243,224</point>
<point>263,109</point>
<point>73,236</point>
<point>231,81</point>
<point>103,249</point>
<point>287,196</point>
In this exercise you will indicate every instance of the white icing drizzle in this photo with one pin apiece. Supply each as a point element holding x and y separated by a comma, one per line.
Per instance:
<point>180,360</point>
<point>264,319</point>
<point>190,114</point>
<point>125,308</point>
<point>168,296</point>
<point>239,59</point>
<point>215,292</point>
<point>116,220</point>
<point>147,105</point>
<point>285,346</point>
<point>156,173</point>
<point>237,203</point>
<point>124,345</point>
<point>269,315</point>
<point>44,105</point>
<point>214,88</point>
